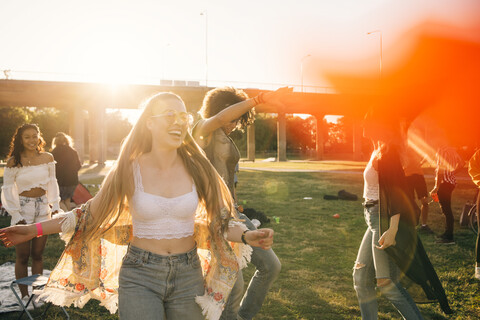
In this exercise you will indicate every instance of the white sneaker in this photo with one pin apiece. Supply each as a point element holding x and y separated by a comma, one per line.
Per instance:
<point>25,301</point>
<point>477,273</point>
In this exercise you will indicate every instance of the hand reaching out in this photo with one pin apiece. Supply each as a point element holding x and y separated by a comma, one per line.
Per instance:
<point>274,100</point>
<point>14,235</point>
<point>262,238</point>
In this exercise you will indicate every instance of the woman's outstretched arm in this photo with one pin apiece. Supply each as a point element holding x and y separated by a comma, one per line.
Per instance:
<point>14,235</point>
<point>262,238</point>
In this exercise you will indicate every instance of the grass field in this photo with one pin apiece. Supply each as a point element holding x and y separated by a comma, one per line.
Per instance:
<point>317,251</point>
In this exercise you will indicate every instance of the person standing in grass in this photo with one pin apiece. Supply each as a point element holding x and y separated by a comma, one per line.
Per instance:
<point>68,164</point>
<point>29,188</point>
<point>474,172</point>
<point>390,243</point>
<point>224,110</point>
<point>417,185</point>
<point>449,163</point>
<point>137,244</point>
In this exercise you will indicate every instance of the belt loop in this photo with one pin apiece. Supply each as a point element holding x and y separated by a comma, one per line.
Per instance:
<point>145,256</point>
<point>192,255</point>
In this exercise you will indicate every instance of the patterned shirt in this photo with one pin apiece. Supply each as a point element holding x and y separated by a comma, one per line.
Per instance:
<point>448,160</point>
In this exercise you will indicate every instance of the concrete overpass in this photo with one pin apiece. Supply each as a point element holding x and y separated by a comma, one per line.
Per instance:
<point>91,99</point>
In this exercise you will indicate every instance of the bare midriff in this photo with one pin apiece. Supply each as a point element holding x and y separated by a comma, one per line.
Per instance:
<point>33,193</point>
<point>165,246</point>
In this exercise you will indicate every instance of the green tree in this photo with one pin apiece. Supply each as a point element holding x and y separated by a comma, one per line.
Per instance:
<point>10,119</point>
<point>339,137</point>
<point>300,133</point>
<point>50,121</point>
<point>118,127</point>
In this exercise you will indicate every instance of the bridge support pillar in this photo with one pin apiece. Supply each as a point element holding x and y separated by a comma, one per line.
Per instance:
<point>357,140</point>
<point>319,141</point>
<point>251,142</point>
<point>97,135</point>
<point>281,137</point>
<point>102,136</point>
<point>77,131</point>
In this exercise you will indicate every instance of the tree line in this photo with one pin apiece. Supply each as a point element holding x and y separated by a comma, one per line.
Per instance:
<point>51,121</point>
<point>300,133</point>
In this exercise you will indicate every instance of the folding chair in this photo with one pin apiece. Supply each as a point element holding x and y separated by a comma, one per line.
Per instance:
<point>39,282</point>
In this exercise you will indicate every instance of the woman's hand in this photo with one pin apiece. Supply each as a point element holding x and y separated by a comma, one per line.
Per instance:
<point>262,238</point>
<point>387,239</point>
<point>274,100</point>
<point>14,235</point>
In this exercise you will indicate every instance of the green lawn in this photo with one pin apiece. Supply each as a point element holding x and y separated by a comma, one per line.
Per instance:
<point>317,251</point>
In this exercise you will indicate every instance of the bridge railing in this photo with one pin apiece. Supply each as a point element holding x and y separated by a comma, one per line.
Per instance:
<point>84,77</point>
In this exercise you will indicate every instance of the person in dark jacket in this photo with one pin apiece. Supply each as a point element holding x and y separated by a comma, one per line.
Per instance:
<point>68,164</point>
<point>390,246</point>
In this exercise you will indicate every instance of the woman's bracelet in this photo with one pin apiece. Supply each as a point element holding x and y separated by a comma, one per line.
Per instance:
<point>243,236</point>
<point>39,229</point>
<point>259,99</point>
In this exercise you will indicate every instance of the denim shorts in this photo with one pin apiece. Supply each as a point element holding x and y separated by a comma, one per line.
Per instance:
<point>35,209</point>
<point>153,286</point>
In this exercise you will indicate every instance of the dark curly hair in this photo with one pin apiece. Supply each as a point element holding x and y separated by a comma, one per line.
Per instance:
<point>16,145</point>
<point>220,98</point>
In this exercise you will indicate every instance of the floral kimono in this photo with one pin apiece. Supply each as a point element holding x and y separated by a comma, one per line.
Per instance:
<point>90,269</point>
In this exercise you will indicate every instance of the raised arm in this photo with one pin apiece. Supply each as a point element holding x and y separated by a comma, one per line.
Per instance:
<point>235,111</point>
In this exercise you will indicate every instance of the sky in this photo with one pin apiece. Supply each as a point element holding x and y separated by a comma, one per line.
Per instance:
<point>250,43</point>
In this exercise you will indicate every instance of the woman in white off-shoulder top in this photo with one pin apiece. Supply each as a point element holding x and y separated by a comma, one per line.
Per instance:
<point>29,189</point>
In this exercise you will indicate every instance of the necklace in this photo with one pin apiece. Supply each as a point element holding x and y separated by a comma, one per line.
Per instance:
<point>28,159</point>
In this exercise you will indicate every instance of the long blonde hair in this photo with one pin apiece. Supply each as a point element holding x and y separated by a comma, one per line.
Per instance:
<point>118,186</point>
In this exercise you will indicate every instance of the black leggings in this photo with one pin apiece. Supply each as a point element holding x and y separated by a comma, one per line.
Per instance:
<point>477,248</point>
<point>445,198</point>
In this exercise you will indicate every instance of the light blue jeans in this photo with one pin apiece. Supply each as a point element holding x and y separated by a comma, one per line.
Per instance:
<point>268,268</point>
<point>153,286</point>
<point>373,263</point>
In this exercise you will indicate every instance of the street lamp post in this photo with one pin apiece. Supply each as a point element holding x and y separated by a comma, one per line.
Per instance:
<point>301,68</point>
<point>204,13</point>
<point>381,48</point>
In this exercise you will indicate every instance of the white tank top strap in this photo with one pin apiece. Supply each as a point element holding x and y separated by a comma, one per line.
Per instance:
<point>137,176</point>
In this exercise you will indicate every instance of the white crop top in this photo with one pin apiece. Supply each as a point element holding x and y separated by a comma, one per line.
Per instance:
<point>157,217</point>
<point>19,179</point>
<point>370,177</point>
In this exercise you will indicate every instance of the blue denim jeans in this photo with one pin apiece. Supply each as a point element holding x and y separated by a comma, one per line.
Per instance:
<point>373,263</point>
<point>153,286</point>
<point>268,268</point>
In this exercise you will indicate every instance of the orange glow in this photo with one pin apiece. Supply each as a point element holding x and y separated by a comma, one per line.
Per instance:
<point>436,76</point>
<point>423,149</point>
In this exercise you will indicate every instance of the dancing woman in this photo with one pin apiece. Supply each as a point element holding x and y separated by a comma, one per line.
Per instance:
<point>178,264</point>
<point>224,110</point>
<point>390,245</point>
